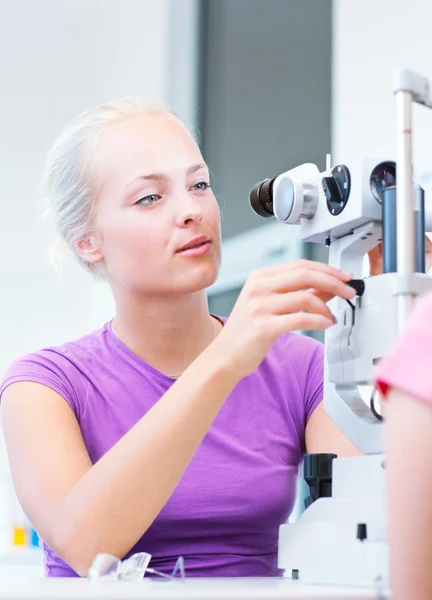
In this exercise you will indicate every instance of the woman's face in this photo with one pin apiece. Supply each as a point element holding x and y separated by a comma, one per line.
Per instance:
<point>155,200</point>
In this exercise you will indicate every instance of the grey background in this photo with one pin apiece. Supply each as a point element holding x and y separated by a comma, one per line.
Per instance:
<point>265,100</point>
<point>265,84</point>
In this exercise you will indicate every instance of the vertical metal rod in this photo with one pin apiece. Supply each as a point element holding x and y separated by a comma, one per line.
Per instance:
<point>389,243</point>
<point>389,229</point>
<point>404,201</point>
<point>420,229</point>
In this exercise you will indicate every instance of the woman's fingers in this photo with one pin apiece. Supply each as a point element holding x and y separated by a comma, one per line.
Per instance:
<point>304,300</point>
<point>308,265</point>
<point>301,279</point>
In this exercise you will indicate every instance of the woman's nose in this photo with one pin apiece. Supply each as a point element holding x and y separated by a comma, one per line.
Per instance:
<point>188,210</point>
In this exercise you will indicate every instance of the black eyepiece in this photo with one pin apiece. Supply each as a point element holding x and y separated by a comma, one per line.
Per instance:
<point>261,198</point>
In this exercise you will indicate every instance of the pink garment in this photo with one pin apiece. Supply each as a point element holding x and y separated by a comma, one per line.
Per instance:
<point>408,366</point>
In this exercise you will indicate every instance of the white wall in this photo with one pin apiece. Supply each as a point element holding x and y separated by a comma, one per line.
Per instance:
<point>371,38</point>
<point>57,58</point>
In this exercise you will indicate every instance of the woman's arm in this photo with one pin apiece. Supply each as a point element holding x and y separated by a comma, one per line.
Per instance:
<point>80,509</point>
<point>323,436</point>
<point>409,479</point>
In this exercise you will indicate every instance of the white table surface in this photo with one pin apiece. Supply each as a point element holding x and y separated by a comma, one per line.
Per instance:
<point>14,588</point>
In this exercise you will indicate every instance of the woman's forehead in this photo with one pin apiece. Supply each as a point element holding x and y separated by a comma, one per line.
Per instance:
<point>148,133</point>
<point>141,145</point>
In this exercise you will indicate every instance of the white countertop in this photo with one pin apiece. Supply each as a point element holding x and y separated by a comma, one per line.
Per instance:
<point>14,588</point>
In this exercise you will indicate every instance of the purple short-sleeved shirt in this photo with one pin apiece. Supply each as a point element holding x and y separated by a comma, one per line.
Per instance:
<point>224,515</point>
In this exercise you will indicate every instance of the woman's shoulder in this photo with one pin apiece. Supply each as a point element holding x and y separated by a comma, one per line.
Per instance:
<point>59,367</point>
<point>297,352</point>
<point>289,380</point>
<point>298,343</point>
<point>63,355</point>
<point>299,359</point>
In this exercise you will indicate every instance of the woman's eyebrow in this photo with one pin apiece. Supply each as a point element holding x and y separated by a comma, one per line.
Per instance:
<point>164,176</point>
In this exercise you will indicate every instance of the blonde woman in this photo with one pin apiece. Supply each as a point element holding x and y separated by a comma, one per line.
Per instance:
<point>169,430</point>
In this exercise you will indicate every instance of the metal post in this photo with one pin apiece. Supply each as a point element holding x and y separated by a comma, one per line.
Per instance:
<point>404,201</point>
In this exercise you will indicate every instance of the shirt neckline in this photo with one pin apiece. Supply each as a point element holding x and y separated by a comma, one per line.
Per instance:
<point>141,362</point>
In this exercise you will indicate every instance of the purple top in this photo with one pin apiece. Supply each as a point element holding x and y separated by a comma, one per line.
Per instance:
<point>224,515</point>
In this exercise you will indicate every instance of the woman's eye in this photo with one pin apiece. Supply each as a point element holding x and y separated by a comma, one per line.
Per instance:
<point>201,185</point>
<point>147,200</point>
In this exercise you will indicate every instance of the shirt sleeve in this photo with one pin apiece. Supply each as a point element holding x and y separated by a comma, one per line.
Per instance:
<point>314,388</point>
<point>408,366</point>
<point>50,368</point>
<point>301,363</point>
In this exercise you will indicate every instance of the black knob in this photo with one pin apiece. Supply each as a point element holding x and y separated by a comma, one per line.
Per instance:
<point>337,187</point>
<point>358,285</point>
<point>361,531</point>
<point>331,190</point>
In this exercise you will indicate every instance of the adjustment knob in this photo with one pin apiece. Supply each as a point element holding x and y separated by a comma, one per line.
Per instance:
<point>337,187</point>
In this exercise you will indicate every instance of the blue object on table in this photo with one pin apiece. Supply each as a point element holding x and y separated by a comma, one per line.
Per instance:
<point>34,538</point>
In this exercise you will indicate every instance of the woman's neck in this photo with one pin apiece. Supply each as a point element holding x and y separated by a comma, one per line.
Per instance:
<point>167,333</point>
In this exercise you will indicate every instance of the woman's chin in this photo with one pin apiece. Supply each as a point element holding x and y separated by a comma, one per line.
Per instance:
<point>199,280</point>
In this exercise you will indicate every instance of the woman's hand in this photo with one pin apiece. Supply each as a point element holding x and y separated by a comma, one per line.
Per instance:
<point>376,258</point>
<point>275,301</point>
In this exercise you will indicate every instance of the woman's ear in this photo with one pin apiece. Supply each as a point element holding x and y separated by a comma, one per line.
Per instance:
<point>88,249</point>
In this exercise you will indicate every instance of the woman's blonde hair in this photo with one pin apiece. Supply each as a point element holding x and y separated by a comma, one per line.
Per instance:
<point>71,180</point>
